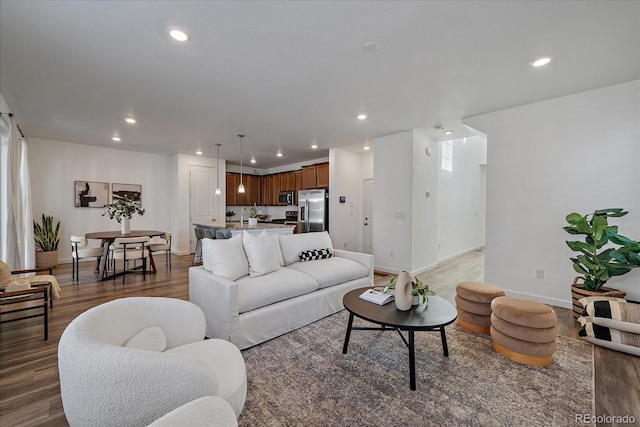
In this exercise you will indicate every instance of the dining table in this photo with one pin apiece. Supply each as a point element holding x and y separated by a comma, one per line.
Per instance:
<point>108,237</point>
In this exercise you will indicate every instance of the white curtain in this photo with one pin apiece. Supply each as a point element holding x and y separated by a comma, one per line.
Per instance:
<point>17,247</point>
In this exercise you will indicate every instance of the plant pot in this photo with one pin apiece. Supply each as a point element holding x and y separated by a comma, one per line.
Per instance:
<point>253,222</point>
<point>577,292</point>
<point>125,226</point>
<point>46,259</point>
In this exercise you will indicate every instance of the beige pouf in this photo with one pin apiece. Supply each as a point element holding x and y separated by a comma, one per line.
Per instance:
<point>524,331</point>
<point>473,302</point>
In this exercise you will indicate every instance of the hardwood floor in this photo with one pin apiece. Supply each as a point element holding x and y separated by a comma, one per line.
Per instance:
<point>29,384</point>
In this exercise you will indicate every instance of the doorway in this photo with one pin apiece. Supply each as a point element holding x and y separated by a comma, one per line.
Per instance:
<point>204,203</point>
<point>368,216</point>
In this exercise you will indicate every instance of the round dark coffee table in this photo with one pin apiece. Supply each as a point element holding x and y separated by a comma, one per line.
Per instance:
<point>438,314</point>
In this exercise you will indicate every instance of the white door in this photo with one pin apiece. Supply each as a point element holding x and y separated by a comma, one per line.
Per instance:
<point>368,216</point>
<point>204,203</point>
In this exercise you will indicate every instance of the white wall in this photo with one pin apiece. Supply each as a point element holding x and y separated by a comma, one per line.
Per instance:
<point>345,219</point>
<point>461,198</point>
<point>576,153</point>
<point>405,221</point>
<point>55,165</point>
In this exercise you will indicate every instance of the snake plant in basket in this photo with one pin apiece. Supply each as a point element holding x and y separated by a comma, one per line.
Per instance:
<point>595,262</point>
<point>47,237</point>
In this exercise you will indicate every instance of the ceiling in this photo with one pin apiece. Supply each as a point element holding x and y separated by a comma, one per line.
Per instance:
<point>288,74</point>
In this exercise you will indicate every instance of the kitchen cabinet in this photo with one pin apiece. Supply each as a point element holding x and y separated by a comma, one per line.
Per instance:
<point>265,191</point>
<point>232,188</point>
<point>316,176</point>
<point>287,181</point>
<point>298,178</point>
<point>275,188</point>
<point>322,175</point>
<point>252,186</point>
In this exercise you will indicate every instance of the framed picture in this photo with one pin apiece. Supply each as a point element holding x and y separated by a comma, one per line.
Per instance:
<point>90,194</point>
<point>131,191</point>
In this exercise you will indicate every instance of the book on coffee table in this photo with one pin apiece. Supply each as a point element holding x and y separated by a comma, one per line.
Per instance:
<point>377,297</point>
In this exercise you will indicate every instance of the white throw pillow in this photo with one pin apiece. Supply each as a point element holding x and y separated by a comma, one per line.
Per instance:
<point>225,257</point>
<point>275,239</point>
<point>151,339</point>
<point>260,253</point>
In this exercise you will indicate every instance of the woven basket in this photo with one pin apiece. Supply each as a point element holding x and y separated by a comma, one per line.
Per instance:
<point>577,292</point>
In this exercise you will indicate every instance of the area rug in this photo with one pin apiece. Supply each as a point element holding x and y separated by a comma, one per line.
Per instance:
<point>303,379</point>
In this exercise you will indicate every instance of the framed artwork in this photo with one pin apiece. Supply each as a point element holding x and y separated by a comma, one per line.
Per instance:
<point>90,194</point>
<point>131,191</point>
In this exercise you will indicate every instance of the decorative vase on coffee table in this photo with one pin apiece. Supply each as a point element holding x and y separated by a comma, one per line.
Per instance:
<point>403,297</point>
<point>125,225</point>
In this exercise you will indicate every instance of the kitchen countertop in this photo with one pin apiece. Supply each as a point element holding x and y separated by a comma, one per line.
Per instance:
<point>245,226</point>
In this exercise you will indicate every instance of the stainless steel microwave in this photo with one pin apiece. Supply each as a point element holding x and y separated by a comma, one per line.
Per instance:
<point>286,198</point>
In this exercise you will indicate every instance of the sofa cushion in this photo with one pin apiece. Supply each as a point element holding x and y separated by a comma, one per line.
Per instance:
<point>279,285</point>
<point>275,240</point>
<point>315,254</point>
<point>260,253</point>
<point>331,271</point>
<point>225,257</point>
<point>292,244</point>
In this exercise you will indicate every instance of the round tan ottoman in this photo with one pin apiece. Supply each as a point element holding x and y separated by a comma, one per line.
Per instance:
<point>524,331</point>
<point>473,302</point>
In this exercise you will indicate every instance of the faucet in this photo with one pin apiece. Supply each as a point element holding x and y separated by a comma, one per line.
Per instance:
<point>243,212</point>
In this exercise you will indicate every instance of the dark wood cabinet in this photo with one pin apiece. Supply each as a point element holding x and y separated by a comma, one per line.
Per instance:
<point>316,176</point>
<point>322,175</point>
<point>298,178</point>
<point>232,188</point>
<point>265,191</point>
<point>252,185</point>
<point>287,181</point>
<point>275,188</point>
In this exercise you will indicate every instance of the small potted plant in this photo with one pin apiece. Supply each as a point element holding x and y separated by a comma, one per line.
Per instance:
<point>122,211</point>
<point>229,214</point>
<point>253,216</point>
<point>419,290</point>
<point>47,237</point>
<point>594,262</point>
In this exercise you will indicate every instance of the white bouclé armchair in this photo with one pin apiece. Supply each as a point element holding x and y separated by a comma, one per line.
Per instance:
<point>132,360</point>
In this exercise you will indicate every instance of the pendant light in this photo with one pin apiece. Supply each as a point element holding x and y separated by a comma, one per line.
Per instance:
<point>218,191</point>
<point>241,186</point>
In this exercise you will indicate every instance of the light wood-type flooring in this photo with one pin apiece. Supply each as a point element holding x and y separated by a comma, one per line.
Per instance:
<point>29,384</point>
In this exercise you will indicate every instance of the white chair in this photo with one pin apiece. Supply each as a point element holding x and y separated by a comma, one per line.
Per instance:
<point>79,250</point>
<point>163,246</point>
<point>206,411</point>
<point>115,370</point>
<point>129,249</point>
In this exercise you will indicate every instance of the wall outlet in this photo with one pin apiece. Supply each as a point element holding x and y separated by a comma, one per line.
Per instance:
<point>539,274</point>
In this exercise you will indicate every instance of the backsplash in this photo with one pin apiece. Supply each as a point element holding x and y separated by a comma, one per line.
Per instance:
<point>274,212</point>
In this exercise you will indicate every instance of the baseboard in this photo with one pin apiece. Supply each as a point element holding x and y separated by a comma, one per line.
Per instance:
<point>423,269</point>
<point>466,251</point>
<point>548,301</point>
<point>390,270</point>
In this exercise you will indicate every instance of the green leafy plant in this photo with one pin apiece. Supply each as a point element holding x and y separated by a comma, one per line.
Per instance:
<point>418,288</point>
<point>123,208</point>
<point>253,211</point>
<point>595,264</point>
<point>46,235</point>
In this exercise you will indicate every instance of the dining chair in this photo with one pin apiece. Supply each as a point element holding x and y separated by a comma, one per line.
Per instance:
<point>163,245</point>
<point>223,233</point>
<point>80,250</point>
<point>130,249</point>
<point>197,255</point>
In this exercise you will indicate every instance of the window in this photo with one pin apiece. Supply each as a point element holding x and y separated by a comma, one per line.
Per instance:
<point>447,156</point>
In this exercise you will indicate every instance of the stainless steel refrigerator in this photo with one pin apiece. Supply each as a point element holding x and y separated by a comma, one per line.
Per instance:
<point>313,210</point>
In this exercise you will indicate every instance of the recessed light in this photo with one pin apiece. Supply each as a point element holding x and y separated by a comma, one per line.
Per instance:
<point>314,146</point>
<point>199,153</point>
<point>116,138</point>
<point>448,132</point>
<point>362,116</point>
<point>541,62</point>
<point>366,147</point>
<point>179,35</point>
<point>253,160</point>
<point>370,47</point>
<point>130,120</point>
<point>279,154</point>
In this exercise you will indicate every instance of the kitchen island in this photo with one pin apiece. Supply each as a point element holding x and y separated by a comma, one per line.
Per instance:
<point>236,227</point>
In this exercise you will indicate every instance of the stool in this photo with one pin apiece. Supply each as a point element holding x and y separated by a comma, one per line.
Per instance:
<point>473,302</point>
<point>524,331</point>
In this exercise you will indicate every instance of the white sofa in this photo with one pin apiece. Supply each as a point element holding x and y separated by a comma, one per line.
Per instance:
<point>249,310</point>
<point>132,360</point>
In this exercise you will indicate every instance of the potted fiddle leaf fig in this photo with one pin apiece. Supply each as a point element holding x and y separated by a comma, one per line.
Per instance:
<point>603,254</point>
<point>47,237</point>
